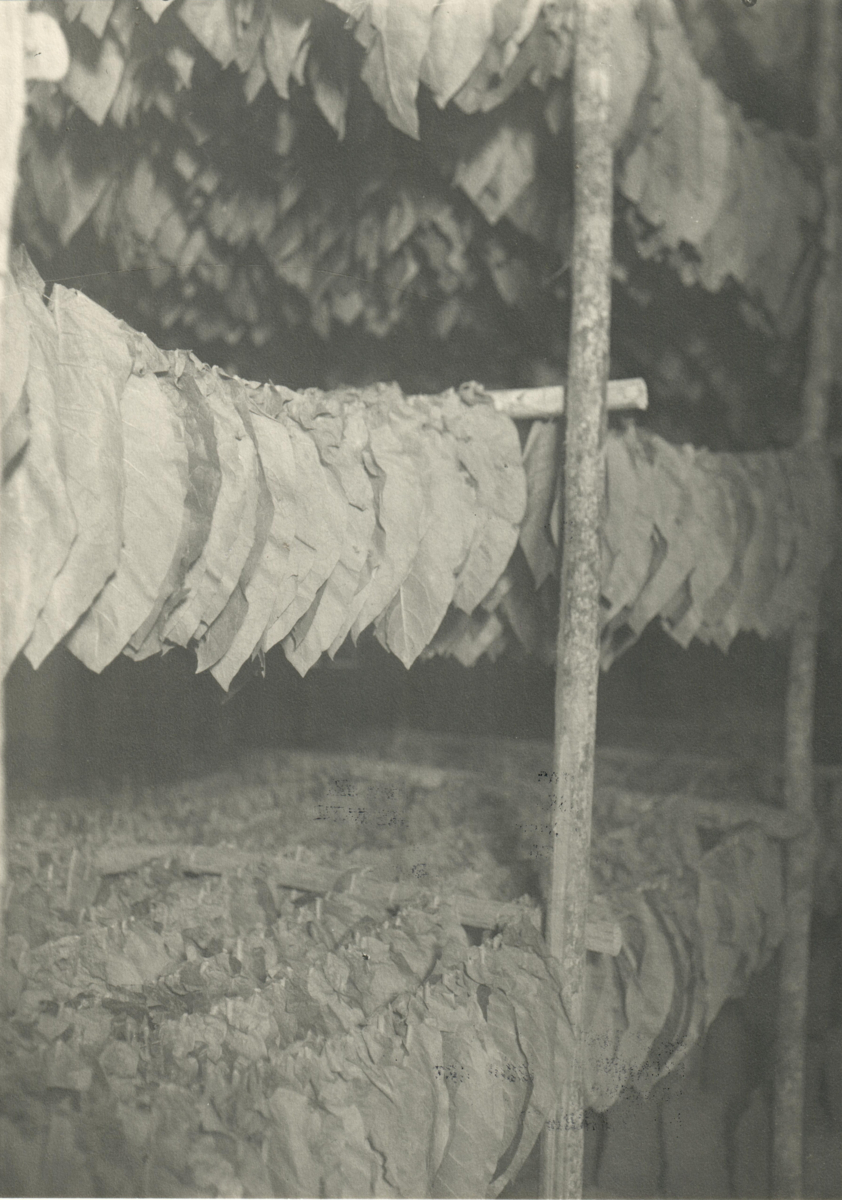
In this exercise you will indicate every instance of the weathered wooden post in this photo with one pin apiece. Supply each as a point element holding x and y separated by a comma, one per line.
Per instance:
<point>577,655</point>
<point>826,328</point>
<point>12,17</point>
<point>31,46</point>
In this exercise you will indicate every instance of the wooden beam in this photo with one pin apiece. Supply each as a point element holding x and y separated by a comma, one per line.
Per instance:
<point>548,402</point>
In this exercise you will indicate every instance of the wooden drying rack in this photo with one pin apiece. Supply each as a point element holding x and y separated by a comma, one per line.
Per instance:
<point>603,931</point>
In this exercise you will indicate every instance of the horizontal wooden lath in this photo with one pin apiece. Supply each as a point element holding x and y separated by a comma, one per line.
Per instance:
<point>546,402</point>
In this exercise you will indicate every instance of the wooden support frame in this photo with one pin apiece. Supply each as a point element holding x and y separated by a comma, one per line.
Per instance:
<point>577,654</point>
<point>825,332</point>
<point>12,108</point>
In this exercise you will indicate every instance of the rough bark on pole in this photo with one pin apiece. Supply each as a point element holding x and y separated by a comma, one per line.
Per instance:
<point>577,663</point>
<point>787,1145</point>
<point>822,368</point>
<point>32,46</point>
<point>12,17</point>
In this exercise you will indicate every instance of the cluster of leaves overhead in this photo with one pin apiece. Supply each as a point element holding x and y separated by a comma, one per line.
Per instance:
<point>714,377</point>
<point>229,150</point>
<point>244,205</point>
<point>764,61</point>
<point>151,501</point>
<point>218,1032</point>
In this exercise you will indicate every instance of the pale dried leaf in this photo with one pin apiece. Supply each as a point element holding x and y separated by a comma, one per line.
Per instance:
<point>211,23</point>
<point>93,87</point>
<point>283,43</point>
<point>320,527</point>
<point>396,34</point>
<point>155,472</point>
<point>207,580</point>
<point>502,166</point>
<point>542,466</point>
<point>276,454</point>
<point>401,521</point>
<point>93,368</point>
<point>39,525</point>
<point>418,607</point>
<point>14,363</point>
<point>460,32</point>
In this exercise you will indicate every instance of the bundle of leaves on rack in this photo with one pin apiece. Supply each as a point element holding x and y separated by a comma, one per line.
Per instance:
<point>151,501</point>
<point>250,158</point>
<point>711,543</point>
<point>201,1028</point>
<point>156,502</point>
<point>701,908</point>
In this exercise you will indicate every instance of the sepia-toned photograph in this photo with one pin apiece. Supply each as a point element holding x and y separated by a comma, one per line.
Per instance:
<point>421,599</point>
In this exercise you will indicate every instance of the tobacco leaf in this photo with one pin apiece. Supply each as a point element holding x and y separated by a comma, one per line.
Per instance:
<point>93,86</point>
<point>97,16</point>
<point>509,57</point>
<point>605,1024</point>
<point>320,528</point>
<point>329,71</point>
<point>301,553</point>
<point>542,466</point>
<point>500,168</point>
<point>648,988</point>
<point>740,911</point>
<point>460,33</point>
<point>676,174</point>
<point>714,533</point>
<point>285,44</point>
<point>155,474</point>
<point>674,514</point>
<point>489,450</point>
<point>815,509</point>
<point>407,1112</point>
<point>477,1116</point>
<point>68,187</point>
<point>216,640</point>
<point>754,481</point>
<point>334,611</point>
<point>93,368</point>
<point>211,579</point>
<point>395,35</point>
<point>415,612</point>
<point>402,518</point>
<point>39,525</point>
<point>210,22</point>
<point>278,461</point>
<point>203,482</point>
<point>155,9</point>
<point>14,417</point>
<point>468,636</point>
<point>626,534</point>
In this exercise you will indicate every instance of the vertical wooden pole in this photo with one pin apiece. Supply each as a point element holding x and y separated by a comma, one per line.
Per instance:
<point>787,1144</point>
<point>822,368</point>
<point>577,657</point>
<point>32,46</point>
<point>12,99</point>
